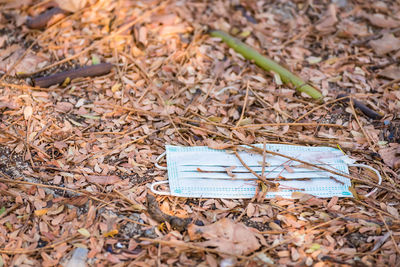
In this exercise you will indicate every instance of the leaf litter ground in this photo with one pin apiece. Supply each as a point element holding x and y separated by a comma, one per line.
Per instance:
<point>76,160</point>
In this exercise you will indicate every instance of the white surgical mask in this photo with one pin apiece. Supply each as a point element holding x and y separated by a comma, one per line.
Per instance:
<point>203,172</point>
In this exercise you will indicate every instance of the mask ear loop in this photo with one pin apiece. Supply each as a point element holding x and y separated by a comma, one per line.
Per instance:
<point>372,169</point>
<point>153,185</point>
<point>158,160</point>
<point>158,192</point>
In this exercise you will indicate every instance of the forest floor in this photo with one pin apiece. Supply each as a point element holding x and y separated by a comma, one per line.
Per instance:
<point>77,159</point>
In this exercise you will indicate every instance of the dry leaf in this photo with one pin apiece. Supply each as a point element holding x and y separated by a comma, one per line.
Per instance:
<point>327,24</point>
<point>41,212</point>
<point>380,20</point>
<point>391,156</point>
<point>227,236</point>
<point>71,5</point>
<point>350,29</point>
<point>30,63</point>
<point>28,111</point>
<point>391,72</point>
<point>84,232</point>
<point>288,168</point>
<point>217,145</point>
<point>97,179</point>
<point>111,233</point>
<point>393,211</point>
<point>386,44</point>
<point>229,171</point>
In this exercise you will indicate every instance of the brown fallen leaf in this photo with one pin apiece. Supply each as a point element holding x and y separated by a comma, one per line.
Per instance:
<point>30,63</point>
<point>380,20</point>
<point>217,145</point>
<point>76,201</point>
<point>227,237</point>
<point>98,179</point>
<point>350,29</point>
<point>41,212</point>
<point>386,44</point>
<point>391,72</point>
<point>391,155</point>
<point>71,5</point>
<point>327,24</point>
<point>229,171</point>
<point>288,168</point>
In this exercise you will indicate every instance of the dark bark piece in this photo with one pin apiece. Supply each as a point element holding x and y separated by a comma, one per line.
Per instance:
<point>155,213</point>
<point>89,71</point>
<point>40,21</point>
<point>364,109</point>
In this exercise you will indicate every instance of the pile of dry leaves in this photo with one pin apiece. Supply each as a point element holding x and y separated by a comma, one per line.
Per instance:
<point>76,158</point>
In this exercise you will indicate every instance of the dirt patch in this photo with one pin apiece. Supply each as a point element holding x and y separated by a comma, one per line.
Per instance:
<point>11,164</point>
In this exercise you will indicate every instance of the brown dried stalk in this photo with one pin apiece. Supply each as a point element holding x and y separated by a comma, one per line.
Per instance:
<point>364,109</point>
<point>40,21</point>
<point>89,71</point>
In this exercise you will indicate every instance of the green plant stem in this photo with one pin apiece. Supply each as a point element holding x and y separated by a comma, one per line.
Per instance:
<point>267,64</point>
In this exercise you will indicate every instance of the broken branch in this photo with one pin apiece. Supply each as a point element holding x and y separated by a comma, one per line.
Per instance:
<point>361,106</point>
<point>267,64</point>
<point>89,71</point>
<point>40,21</point>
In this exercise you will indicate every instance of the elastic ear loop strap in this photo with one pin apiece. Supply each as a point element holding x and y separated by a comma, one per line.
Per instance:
<point>158,192</point>
<point>153,185</point>
<point>372,169</point>
<point>158,161</point>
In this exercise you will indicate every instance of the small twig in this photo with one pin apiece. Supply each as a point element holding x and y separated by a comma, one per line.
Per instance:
<point>129,200</point>
<point>89,71</point>
<point>40,21</point>
<point>282,113</point>
<point>311,124</point>
<point>273,185</point>
<point>4,214</point>
<point>190,246</point>
<point>336,180</point>
<point>39,150</point>
<point>361,126</point>
<point>136,110</point>
<point>133,221</point>
<point>391,235</point>
<point>264,155</point>
<point>211,88</point>
<point>120,147</point>
<point>364,109</point>
<point>9,180</point>
<point>244,105</point>
<point>388,84</point>
<point>172,121</point>
<point>196,95</point>
<point>30,251</point>
<point>321,106</point>
<point>373,208</point>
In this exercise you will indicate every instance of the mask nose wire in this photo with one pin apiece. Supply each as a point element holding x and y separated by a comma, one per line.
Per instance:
<point>372,169</point>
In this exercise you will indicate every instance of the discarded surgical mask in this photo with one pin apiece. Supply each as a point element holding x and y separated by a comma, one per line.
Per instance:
<point>203,172</point>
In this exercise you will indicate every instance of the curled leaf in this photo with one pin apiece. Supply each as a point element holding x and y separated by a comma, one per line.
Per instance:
<point>71,5</point>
